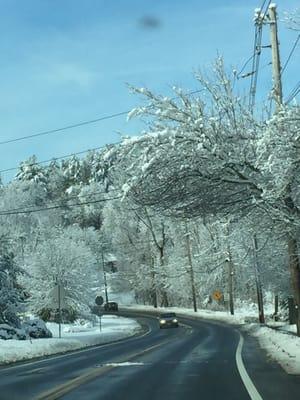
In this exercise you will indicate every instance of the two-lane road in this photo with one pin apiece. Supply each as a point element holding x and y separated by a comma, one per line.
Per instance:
<point>198,360</point>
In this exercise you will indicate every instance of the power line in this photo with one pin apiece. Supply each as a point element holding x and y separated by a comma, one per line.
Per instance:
<point>92,121</point>
<point>263,4</point>
<point>255,63</point>
<point>290,55</point>
<point>79,152</point>
<point>259,21</point>
<point>59,158</point>
<point>33,206</point>
<point>257,47</point>
<point>4,213</point>
<point>293,93</point>
<point>243,67</point>
<point>267,7</point>
<point>72,126</point>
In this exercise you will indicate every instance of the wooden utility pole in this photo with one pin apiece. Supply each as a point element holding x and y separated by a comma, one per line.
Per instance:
<point>294,261</point>
<point>153,283</point>
<point>59,308</point>
<point>191,270</point>
<point>277,89</point>
<point>230,270</point>
<point>260,300</point>
<point>229,263</point>
<point>104,276</point>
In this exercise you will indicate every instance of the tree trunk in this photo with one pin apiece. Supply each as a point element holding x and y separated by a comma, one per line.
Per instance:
<point>164,295</point>
<point>294,267</point>
<point>230,282</point>
<point>191,270</point>
<point>276,303</point>
<point>260,300</point>
<point>153,285</point>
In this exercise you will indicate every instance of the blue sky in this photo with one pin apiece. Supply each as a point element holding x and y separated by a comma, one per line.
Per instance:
<point>67,61</point>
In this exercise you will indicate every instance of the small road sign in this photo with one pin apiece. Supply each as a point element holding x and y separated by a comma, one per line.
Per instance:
<point>99,300</point>
<point>217,295</point>
<point>226,296</point>
<point>58,296</point>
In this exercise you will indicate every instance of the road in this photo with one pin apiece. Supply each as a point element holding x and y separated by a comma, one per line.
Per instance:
<point>198,360</point>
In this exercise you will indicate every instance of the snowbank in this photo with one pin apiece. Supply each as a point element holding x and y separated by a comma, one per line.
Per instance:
<point>74,337</point>
<point>284,347</point>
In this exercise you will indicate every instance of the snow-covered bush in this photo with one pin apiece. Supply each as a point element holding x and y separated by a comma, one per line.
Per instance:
<point>9,332</point>
<point>36,328</point>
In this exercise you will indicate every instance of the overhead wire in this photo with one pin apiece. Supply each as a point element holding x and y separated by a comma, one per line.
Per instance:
<point>239,74</point>
<point>263,4</point>
<point>55,207</point>
<point>67,127</point>
<point>293,93</point>
<point>255,64</point>
<point>266,9</point>
<point>33,206</point>
<point>290,55</point>
<point>83,123</point>
<point>61,157</point>
<point>256,54</point>
<point>75,153</point>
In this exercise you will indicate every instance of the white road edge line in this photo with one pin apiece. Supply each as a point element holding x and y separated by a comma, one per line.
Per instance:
<point>249,385</point>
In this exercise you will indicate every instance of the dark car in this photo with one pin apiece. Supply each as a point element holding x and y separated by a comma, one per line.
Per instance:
<point>168,320</point>
<point>111,306</point>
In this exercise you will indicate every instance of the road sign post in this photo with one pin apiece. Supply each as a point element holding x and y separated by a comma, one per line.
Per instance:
<point>58,295</point>
<point>99,301</point>
<point>59,309</point>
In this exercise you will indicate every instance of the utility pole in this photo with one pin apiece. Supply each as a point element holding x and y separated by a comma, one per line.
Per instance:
<point>105,281</point>
<point>230,283</point>
<point>293,251</point>
<point>260,302</point>
<point>58,300</point>
<point>191,270</point>
<point>153,285</point>
<point>229,263</point>
<point>277,89</point>
<point>59,307</point>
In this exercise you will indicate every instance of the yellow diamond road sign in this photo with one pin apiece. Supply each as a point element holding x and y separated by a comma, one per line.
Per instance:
<point>217,295</point>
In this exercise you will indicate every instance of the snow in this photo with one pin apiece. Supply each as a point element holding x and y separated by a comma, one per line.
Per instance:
<point>278,339</point>
<point>281,346</point>
<point>74,336</point>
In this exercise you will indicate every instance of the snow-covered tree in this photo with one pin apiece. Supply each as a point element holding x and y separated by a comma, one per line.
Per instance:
<point>60,257</point>
<point>11,293</point>
<point>31,171</point>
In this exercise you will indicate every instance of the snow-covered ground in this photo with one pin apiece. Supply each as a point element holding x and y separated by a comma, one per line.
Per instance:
<point>74,336</point>
<point>281,344</point>
<point>283,347</point>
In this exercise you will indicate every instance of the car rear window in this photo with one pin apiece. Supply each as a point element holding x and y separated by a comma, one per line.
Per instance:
<point>168,315</point>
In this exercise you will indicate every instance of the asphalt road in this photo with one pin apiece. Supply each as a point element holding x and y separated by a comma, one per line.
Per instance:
<point>198,360</point>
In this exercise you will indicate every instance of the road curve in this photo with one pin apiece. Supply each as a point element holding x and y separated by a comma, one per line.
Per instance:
<point>198,360</point>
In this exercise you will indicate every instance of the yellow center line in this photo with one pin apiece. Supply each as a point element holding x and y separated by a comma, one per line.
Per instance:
<point>93,373</point>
